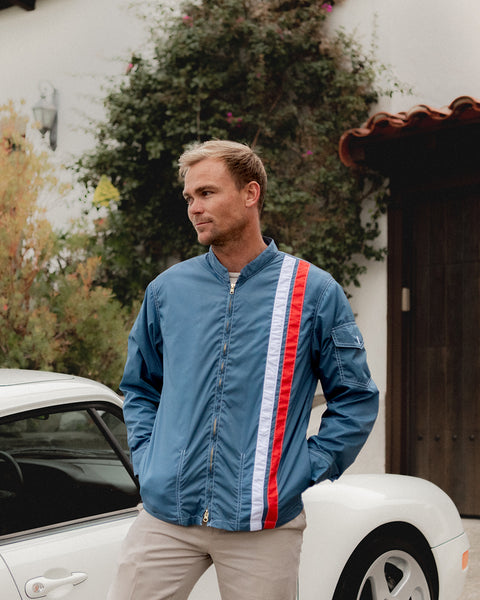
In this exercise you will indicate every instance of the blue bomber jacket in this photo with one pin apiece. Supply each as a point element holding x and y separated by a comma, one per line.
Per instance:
<point>219,383</point>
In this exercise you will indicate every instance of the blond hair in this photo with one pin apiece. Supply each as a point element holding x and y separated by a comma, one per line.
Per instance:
<point>241,161</point>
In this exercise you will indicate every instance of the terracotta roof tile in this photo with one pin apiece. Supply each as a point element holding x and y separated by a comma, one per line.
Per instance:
<point>384,125</point>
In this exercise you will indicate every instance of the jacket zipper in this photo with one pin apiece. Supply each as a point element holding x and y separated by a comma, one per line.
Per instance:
<point>206,514</point>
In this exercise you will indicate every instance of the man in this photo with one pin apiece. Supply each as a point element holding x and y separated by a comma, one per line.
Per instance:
<point>223,363</point>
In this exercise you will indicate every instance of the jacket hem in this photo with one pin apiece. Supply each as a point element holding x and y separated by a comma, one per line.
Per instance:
<point>286,516</point>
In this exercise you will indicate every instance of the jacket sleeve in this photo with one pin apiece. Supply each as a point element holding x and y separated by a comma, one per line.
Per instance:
<point>142,379</point>
<point>352,397</point>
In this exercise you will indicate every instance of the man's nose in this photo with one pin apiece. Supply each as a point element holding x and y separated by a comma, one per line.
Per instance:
<point>195,206</point>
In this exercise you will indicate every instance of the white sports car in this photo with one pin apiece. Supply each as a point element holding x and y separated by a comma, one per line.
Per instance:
<point>68,496</point>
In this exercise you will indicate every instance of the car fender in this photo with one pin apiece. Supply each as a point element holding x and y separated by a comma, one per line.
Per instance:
<point>341,514</point>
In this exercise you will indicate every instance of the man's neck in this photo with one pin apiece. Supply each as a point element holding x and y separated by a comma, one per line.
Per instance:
<point>236,256</point>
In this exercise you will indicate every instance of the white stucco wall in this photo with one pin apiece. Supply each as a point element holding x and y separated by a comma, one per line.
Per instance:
<point>77,45</point>
<point>74,44</point>
<point>369,303</point>
<point>432,45</point>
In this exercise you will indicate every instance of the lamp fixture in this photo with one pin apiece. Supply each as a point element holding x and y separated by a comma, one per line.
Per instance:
<point>45,112</point>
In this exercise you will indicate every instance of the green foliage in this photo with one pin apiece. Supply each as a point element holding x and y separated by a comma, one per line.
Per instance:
<point>52,315</point>
<point>264,73</point>
<point>92,325</point>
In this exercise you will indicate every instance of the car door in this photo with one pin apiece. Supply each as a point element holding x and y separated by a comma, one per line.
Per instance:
<point>7,585</point>
<point>67,499</point>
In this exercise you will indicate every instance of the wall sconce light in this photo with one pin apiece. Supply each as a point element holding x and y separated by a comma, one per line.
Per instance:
<point>45,112</point>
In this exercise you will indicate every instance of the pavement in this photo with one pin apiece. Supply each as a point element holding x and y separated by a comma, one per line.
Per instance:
<point>472,587</point>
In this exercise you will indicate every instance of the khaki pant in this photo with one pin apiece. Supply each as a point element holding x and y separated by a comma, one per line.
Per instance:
<point>160,561</point>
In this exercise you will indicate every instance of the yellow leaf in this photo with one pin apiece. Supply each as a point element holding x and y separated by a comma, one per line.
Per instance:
<point>105,192</point>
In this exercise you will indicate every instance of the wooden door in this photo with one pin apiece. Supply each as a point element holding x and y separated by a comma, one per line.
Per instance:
<point>441,262</point>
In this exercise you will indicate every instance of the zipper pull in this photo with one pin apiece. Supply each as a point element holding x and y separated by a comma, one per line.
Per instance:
<point>232,287</point>
<point>205,516</point>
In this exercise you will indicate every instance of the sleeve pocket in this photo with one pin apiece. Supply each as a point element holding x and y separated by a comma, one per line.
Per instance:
<point>350,354</point>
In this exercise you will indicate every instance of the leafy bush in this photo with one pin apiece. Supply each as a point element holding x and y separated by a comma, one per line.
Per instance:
<point>52,315</point>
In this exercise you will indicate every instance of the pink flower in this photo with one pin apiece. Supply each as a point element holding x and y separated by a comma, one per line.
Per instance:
<point>187,20</point>
<point>327,7</point>
<point>5,307</point>
<point>129,68</point>
<point>307,153</point>
<point>234,120</point>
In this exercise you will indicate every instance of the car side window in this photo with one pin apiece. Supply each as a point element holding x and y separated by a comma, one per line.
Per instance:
<point>63,465</point>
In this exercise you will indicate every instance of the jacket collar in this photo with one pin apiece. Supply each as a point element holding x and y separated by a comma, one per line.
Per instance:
<point>270,252</point>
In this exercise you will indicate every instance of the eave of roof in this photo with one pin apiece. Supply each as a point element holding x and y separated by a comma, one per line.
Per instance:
<point>421,118</point>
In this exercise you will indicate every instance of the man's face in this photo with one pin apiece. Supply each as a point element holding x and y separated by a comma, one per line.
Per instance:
<point>216,207</point>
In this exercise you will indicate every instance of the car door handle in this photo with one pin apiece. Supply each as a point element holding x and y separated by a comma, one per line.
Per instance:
<point>39,587</point>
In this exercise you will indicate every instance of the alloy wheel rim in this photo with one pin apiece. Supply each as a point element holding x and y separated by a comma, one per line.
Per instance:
<point>394,575</point>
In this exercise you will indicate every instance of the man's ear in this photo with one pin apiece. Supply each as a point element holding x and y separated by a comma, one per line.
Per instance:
<point>252,190</point>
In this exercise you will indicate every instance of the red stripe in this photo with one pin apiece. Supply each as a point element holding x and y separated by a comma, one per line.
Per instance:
<point>288,368</point>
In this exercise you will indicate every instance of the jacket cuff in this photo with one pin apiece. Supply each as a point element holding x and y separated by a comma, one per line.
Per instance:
<point>322,464</point>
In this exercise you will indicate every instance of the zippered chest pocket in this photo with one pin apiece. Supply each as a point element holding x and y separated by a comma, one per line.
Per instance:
<point>350,354</point>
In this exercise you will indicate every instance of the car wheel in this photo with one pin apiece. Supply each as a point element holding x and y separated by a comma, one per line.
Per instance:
<point>389,567</point>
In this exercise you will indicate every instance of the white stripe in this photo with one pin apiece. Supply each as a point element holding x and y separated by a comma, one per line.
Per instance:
<point>269,390</point>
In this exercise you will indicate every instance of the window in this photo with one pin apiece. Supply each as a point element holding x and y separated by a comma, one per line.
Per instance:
<point>61,466</point>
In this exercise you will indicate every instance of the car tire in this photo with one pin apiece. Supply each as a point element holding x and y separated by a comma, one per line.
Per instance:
<point>389,566</point>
